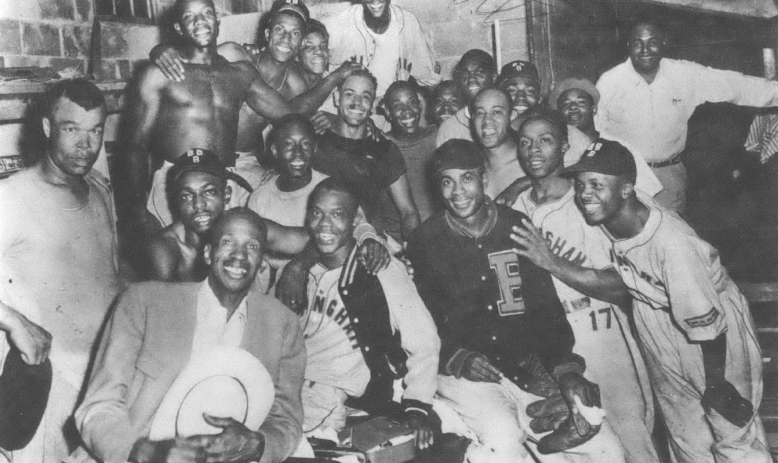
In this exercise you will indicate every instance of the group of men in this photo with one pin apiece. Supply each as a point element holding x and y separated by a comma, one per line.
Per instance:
<point>515,271</point>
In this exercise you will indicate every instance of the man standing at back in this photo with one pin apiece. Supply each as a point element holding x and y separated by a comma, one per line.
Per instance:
<point>647,102</point>
<point>58,259</point>
<point>166,118</point>
<point>387,39</point>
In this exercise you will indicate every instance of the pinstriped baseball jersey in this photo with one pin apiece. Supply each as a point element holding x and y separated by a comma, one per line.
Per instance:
<point>602,334</point>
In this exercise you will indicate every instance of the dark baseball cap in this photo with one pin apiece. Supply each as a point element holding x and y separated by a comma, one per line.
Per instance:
<point>457,154</point>
<point>201,160</point>
<point>519,69</point>
<point>297,7</point>
<point>24,394</point>
<point>606,157</point>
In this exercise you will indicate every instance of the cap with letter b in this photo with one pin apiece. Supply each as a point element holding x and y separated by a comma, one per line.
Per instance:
<point>606,157</point>
<point>202,160</point>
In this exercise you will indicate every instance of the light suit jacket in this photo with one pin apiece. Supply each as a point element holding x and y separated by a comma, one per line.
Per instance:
<point>148,341</point>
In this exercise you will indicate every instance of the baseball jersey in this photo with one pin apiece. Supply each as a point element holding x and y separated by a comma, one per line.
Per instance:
<point>334,356</point>
<point>602,333</point>
<point>486,298</point>
<point>683,294</point>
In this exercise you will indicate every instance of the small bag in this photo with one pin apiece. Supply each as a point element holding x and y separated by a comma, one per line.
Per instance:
<point>382,440</point>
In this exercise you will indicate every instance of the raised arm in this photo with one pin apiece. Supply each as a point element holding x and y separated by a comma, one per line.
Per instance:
<point>262,98</point>
<point>309,101</point>
<point>603,284</point>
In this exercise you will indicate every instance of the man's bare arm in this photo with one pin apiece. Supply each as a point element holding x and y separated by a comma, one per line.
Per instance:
<point>262,98</point>
<point>311,100</point>
<point>285,240</point>
<point>139,118</point>
<point>400,191</point>
<point>163,259</point>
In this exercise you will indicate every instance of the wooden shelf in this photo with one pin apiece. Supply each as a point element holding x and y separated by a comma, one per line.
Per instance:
<point>16,97</point>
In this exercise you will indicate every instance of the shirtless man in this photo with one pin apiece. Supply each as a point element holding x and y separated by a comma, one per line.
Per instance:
<point>200,195</point>
<point>166,118</point>
<point>276,64</point>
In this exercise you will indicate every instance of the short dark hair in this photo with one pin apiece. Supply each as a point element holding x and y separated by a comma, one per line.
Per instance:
<point>79,91</point>
<point>333,184</point>
<point>178,7</point>
<point>361,73</point>
<point>291,118</point>
<point>447,85</point>
<point>238,212</point>
<point>317,27</point>
<point>646,20</point>
<point>399,85</point>
<point>552,116</point>
<point>478,56</point>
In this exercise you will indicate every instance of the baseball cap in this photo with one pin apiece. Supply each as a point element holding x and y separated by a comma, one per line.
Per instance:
<point>519,68</point>
<point>570,83</point>
<point>293,6</point>
<point>457,154</point>
<point>606,157</point>
<point>24,394</point>
<point>201,160</point>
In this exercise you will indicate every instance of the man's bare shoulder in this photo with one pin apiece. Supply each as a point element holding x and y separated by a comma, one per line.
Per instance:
<point>164,247</point>
<point>147,74</point>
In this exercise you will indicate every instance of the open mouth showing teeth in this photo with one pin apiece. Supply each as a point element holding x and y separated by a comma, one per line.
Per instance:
<point>408,121</point>
<point>590,208</point>
<point>235,272</point>
<point>488,132</point>
<point>202,219</point>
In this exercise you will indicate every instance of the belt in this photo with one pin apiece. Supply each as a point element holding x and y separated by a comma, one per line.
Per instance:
<point>666,163</point>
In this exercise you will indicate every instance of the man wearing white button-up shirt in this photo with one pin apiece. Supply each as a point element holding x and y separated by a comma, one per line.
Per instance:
<point>647,101</point>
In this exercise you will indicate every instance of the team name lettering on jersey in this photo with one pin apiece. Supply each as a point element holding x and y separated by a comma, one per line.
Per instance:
<point>341,317</point>
<point>622,261</point>
<point>506,267</point>
<point>558,246</point>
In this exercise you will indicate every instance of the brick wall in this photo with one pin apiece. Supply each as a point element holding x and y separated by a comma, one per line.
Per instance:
<point>51,33</point>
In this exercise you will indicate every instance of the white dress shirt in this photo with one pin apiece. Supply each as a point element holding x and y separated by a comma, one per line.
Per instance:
<point>213,327</point>
<point>653,117</point>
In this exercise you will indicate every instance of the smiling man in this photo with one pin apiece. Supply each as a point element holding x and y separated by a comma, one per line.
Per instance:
<point>58,257</point>
<point>159,328</point>
<point>387,39</point>
<point>416,143</point>
<point>447,99</point>
<point>199,194</point>
<point>362,331</point>
<point>505,341</point>
<point>693,324</point>
<point>576,254</point>
<point>647,102</point>
<point>375,167</point>
<point>475,71</point>
<point>165,118</point>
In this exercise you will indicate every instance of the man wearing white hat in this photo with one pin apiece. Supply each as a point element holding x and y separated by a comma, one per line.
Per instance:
<point>156,365</point>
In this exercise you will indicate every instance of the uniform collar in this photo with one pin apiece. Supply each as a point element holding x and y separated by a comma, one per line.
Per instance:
<point>660,74</point>
<point>655,216</point>
<point>207,298</point>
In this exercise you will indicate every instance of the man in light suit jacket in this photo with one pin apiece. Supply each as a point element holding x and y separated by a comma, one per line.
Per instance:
<point>157,327</point>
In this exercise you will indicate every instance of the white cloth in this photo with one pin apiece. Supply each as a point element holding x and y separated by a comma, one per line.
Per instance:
<point>653,117</point>
<point>212,327</point>
<point>496,412</point>
<point>285,207</point>
<point>349,36</point>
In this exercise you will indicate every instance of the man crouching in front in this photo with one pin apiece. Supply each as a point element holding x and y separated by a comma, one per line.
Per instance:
<point>161,332</point>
